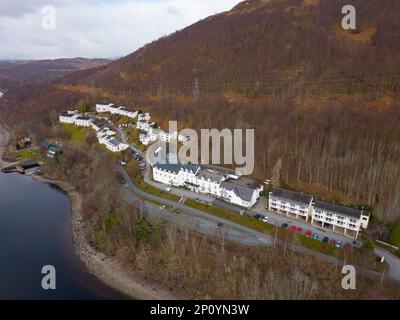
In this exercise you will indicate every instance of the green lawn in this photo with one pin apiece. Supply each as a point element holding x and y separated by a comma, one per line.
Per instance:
<point>395,234</point>
<point>133,138</point>
<point>246,221</point>
<point>139,182</point>
<point>76,134</point>
<point>29,154</point>
<point>317,245</point>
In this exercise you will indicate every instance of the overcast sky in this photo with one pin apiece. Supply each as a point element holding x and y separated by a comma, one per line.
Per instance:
<point>94,28</point>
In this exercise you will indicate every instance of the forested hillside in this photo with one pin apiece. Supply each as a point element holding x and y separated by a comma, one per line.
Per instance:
<point>22,72</point>
<point>322,99</point>
<point>282,48</point>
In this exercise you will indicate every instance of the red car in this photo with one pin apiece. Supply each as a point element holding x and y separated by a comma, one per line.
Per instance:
<point>308,233</point>
<point>293,228</point>
<point>299,230</point>
<point>333,242</point>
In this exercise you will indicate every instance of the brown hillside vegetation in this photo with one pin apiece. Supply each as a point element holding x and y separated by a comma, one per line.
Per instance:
<point>323,100</point>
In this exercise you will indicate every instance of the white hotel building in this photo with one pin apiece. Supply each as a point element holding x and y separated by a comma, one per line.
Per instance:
<point>68,117</point>
<point>73,117</point>
<point>204,180</point>
<point>338,218</point>
<point>83,121</point>
<point>113,109</point>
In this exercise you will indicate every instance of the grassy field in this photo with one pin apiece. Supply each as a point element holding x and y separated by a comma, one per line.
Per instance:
<point>76,134</point>
<point>133,138</point>
<point>139,182</point>
<point>395,234</point>
<point>317,245</point>
<point>29,154</point>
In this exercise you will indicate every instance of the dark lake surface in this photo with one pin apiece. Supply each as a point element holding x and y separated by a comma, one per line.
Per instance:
<point>35,231</point>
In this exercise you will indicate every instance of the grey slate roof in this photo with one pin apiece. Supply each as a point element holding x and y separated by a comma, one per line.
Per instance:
<point>244,193</point>
<point>175,168</point>
<point>115,142</point>
<point>67,114</point>
<point>210,175</point>
<point>292,196</point>
<point>341,210</point>
<point>83,118</point>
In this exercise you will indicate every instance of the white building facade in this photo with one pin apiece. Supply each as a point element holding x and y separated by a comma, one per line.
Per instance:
<point>68,117</point>
<point>292,204</point>
<point>341,219</point>
<point>83,121</point>
<point>206,181</point>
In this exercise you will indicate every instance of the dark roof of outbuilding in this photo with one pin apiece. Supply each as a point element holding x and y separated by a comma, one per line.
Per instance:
<point>341,210</point>
<point>292,196</point>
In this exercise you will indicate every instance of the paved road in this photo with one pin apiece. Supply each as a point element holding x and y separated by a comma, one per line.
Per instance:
<point>206,223</point>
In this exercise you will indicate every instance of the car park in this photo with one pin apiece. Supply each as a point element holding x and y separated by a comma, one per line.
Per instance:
<point>325,240</point>
<point>308,233</point>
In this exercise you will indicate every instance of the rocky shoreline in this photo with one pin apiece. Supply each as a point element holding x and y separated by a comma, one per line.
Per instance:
<point>104,268</point>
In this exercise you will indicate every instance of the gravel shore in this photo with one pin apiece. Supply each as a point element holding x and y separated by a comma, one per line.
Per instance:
<point>104,268</point>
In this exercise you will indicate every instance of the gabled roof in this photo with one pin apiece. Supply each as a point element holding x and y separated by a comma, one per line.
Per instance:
<point>292,196</point>
<point>210,175</point>
<point>175,168</point>
<point>337,209</point>
<point>244,193</point>
<point>67,114</point>
<point>84,118</point>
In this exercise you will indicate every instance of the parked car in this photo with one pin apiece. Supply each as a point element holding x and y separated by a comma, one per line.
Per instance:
<point>308,233</point>
<point>123,163</point>
<point>168,189</point>
<point>339,244</point>
<point>293,228</point>
<point>285,226</point>
<point>299,230</point>
<point>325,240</point>
<point>220,226</point>
<point>162,208</point>
<point>333,242</point>
<point>259,217</point>
<point>315,236</point>
<point>266,219</point>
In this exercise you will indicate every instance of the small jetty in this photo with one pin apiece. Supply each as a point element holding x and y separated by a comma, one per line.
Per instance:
<point>25,167</point>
